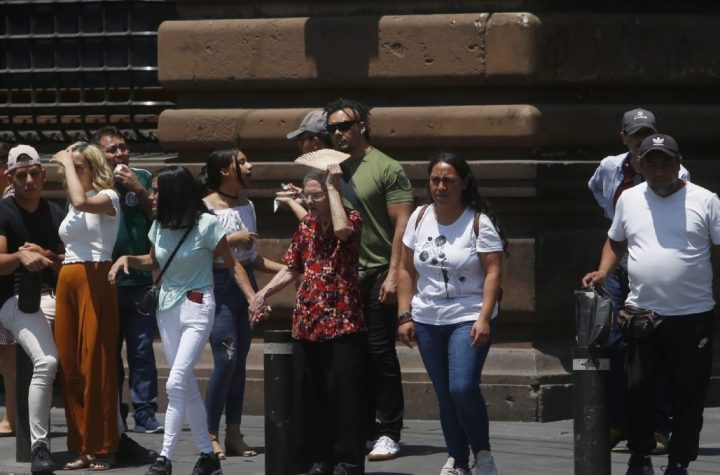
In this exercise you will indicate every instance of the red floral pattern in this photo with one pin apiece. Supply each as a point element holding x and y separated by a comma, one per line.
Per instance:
<point>328,301</point>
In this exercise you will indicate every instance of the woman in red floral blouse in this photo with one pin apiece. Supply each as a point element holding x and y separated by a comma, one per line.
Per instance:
<point>328,329</point>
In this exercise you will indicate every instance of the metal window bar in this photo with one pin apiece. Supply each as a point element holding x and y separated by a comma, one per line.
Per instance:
<point>73,66</point>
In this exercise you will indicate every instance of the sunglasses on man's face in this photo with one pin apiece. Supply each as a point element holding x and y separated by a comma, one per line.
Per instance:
<point>343,126</point>
<point>112,150</point>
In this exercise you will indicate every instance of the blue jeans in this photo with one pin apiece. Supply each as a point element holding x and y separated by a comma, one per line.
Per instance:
<point>454,366</point>
<point>616,285</point>
<point>138,331</point>
<point>230,340</point>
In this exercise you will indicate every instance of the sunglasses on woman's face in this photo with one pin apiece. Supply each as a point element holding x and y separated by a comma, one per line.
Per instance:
<point>343,126</point>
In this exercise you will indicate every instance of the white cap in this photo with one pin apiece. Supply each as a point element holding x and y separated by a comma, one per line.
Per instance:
<point>22,152</point>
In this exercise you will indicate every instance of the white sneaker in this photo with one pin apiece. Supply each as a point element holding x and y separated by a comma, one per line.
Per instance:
<point>385,449</point>
<point>484,464</point>
<point>449,468</point>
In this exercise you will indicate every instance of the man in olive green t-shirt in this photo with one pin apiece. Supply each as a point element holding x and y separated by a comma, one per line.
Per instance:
<point>377,186</point>
<point>138,331</point>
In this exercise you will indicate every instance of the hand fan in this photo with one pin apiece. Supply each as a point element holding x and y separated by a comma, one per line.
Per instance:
<point>320,159</point>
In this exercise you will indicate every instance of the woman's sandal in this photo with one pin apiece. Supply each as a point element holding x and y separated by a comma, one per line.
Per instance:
<point>237,446</point>
<point>216,447</point>
<point>79,463</point>
<point>102,462</point>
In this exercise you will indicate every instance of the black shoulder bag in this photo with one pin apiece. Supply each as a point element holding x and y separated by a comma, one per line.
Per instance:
<point>148,303</point>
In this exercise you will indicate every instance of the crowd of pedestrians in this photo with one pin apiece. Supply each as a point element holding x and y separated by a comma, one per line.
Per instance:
<point>369,268</point>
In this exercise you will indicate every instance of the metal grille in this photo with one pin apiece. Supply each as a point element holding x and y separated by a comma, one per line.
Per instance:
<point>69,67</point>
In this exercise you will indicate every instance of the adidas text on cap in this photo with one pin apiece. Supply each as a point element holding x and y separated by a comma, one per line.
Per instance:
<point>659,143</point>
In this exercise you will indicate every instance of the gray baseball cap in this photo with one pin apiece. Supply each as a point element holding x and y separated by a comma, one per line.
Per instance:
<point>638,119</point>
<point>313,123</point>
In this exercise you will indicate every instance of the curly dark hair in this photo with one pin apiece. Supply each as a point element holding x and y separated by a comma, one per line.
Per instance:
<point>360,111</point>
<point>471,196</point>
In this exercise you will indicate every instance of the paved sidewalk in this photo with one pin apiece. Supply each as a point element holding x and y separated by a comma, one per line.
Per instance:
<point>519,449</point>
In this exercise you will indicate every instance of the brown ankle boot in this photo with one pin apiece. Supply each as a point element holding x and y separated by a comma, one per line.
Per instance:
<point>217,448</point>
<point>234,443</point>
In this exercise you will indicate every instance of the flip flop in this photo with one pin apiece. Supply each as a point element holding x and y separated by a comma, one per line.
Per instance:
<point>102,462</point>
<point>79,463</point>
<point>7,434</point>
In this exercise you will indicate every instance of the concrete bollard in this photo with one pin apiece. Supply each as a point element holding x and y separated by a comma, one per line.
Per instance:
<point>23,375</point>
<point>591,367</point>
<point>279,427</point>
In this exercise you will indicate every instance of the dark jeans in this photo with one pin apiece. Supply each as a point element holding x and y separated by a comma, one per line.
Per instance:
<point>617,287</point>
<point>230,340</point>
<point>138,331</point>
<point>683,345</point>
<point>385,392</point>
<point>454,366</point>
<point>330,389</point>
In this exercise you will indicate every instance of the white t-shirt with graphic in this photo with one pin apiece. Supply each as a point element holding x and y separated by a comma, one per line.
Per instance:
<point>669,242</point>
<point>450,276</point>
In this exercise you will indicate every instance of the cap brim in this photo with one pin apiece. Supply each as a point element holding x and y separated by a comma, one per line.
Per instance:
<point>635,128</point>
<point>295,134</point>
<point>25,164</point>
<point>669,153</point>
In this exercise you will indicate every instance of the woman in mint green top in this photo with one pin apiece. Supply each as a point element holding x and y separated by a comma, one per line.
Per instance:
<point>186,306</point>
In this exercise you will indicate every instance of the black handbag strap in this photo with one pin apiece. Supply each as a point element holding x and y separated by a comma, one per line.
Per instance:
<point>182,240</point>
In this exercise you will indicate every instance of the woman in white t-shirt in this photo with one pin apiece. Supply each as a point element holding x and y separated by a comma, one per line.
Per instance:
<point>86,317</point>
<point>186,303</point>
<point>226,175</point>
<point>453,250</point>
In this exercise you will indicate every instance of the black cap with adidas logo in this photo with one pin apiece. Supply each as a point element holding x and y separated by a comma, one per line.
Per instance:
<point>659,143</point>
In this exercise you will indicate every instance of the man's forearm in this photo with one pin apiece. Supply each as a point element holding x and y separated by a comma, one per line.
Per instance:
<point>9,263</point>
<point>400,221</point>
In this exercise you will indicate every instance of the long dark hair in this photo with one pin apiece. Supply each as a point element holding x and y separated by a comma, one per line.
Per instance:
<point>471,196</point>
<point>179,198</point>
<point>210,177</point>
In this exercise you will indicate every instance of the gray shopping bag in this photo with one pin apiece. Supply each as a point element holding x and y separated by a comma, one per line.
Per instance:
<point>593,316</point>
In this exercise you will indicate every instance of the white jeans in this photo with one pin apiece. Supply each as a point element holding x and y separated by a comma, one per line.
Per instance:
<point>184,330</point>
<point>32,332</point>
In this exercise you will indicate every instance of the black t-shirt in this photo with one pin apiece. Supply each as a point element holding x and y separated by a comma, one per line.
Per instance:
<point>20,226</point>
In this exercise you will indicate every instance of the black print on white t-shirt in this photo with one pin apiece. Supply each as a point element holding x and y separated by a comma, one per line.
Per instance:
<point>432,251</point>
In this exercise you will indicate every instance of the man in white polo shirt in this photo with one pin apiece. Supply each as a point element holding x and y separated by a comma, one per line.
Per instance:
<point>671,230</point>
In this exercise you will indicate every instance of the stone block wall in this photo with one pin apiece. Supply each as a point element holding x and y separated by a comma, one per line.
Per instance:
<point>532,92</point>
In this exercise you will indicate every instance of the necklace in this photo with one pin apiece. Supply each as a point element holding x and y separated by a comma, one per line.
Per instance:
<point>232,197</point>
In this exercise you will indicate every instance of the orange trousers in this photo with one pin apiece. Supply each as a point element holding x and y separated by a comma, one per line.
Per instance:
<point>87,339</point>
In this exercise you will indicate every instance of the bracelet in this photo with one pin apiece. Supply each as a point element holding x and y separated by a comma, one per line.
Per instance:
<point>404,318</point>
